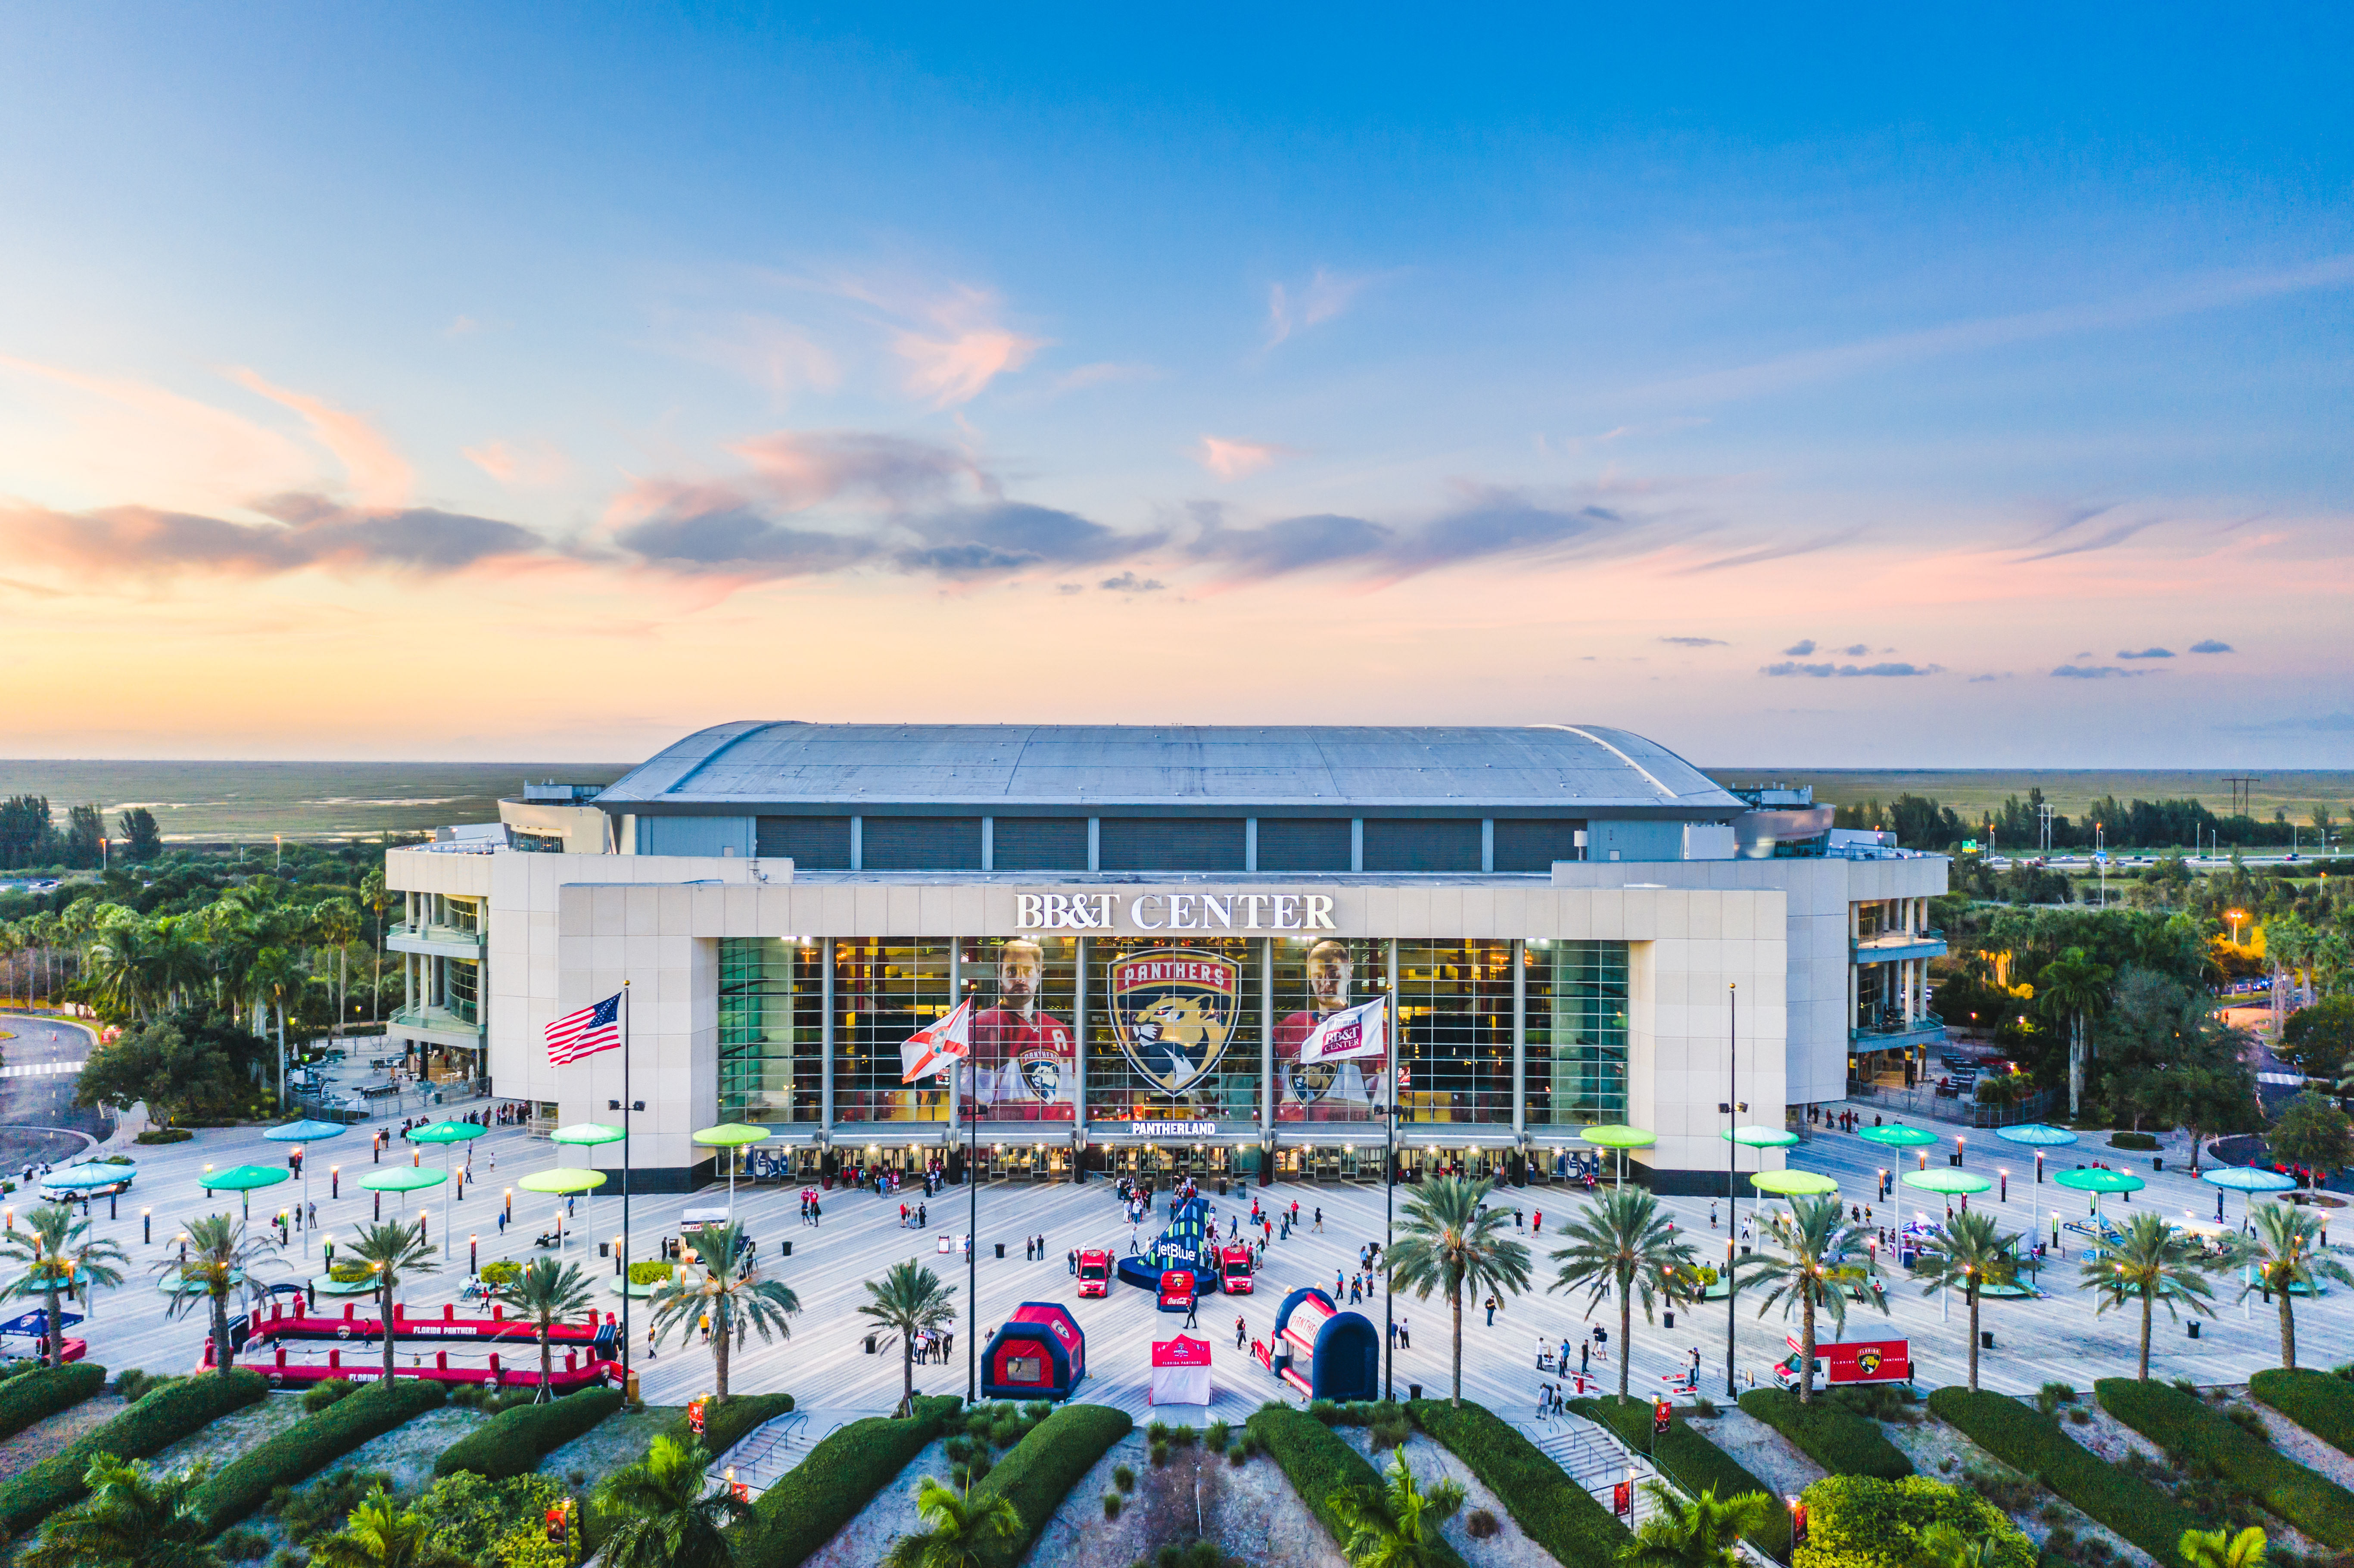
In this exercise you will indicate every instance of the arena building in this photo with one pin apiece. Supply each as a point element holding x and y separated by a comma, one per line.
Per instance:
<point>1577,927</point>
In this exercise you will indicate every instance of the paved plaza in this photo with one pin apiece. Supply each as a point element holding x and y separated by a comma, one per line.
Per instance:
<point>824,1363</point>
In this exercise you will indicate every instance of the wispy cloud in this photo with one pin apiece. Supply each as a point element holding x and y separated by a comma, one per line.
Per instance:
<point>1697,642</point>
<point>2146,654</point>
<point>1822,672</point>
<point>2096,672</point>
<point>2212,646</point>
<point>962,347</point>
<point>1104,373</point>
<point>1486,523</point>
<point>1231,460</point>
<point>2116,534</point>
<point>306,531</point>
<point>2315,723</point>
<point>1750,557</point>
<point>528,464</point>
<point>1801,647</point>
<point>1326,295</point>
<point>378,476</point>
<point>1128,582</point>
<point>799,470</point>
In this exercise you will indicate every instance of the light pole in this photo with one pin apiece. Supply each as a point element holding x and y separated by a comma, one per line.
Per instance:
<point>1732,1108</point>
<point>2235,917</point>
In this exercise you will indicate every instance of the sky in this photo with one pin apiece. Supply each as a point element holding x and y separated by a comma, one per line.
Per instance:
<point>496,382</point>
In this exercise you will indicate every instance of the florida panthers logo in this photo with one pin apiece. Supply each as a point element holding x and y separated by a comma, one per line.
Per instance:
<point>1174,1011</point>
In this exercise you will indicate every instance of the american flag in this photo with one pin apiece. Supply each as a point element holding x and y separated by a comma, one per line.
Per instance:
<point>596,1027</point>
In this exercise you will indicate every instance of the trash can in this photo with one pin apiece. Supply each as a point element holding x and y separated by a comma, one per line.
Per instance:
<point>2194,1327</point>
<point>870,1344</point>
<point>784,1249</point>
<point>604,1249</point>
<point>1986,1338</point>
<point>1668,1320</point>
<point>1414,1391</point>
<point>1000,1249</point>
<point>2158,1163</point>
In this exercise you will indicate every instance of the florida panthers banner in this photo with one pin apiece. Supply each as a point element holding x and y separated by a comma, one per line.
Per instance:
<point>1174,1010</point>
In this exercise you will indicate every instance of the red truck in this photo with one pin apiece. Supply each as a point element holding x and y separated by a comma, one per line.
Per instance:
<point>1095,1273</point>
<point>1234,1270</point>
<point>1850,1360</point>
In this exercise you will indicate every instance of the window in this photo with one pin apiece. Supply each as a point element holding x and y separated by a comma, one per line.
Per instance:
<point>1172,844</point>
<point>919,843</point>
<point>812,843</point>
<point>1039,844</point>
<point>1303,843</point>
<point>1577,1033</point>
<point>1533,844</point>
<point>1455,1017</point>
<point>1227,1089</point>
<point>462,982</point>
<point>1313,977</point>
<point>1422,843</point>
<point>1024,1044</point>
<point>885,988</point>
<point>769,1029</point>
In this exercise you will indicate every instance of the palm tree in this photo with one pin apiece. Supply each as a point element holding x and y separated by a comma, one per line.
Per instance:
<point>545,1293</point>
<point>1822,1256</point>
<point>133,1518</point>
<point>2289,1252</point>
<point>337,921</point>
<point>908,1302</point>
<point>276,980</point>
<point>960,1533</point>
<point>1623,1240</point>
<point>2150,1263</point>
<point>1972,1252</point>
<point>1703,1534</point>
<point>380,1533</point>
<point>55,1259</point>
<point>375,898</point>
<point>1399,1528</point>
<point>392,1250</point>
<point>730,1294</point>
<point>1948,1545</point>
<point>668,1517</point>
<point>1449,1239</point>
<point>2222,1549</point>
<point>2074,987</point>
<point>120,961</point>
<point>223,1260</point>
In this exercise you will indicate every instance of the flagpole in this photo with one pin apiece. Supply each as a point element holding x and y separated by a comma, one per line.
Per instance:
<point>973,1228</point>
<point>626,1103</point>
<point>1389,1204</point>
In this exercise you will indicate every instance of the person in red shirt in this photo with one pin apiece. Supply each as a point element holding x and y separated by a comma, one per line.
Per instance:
<point>1324,1091</point>
<point>1027,1062</point>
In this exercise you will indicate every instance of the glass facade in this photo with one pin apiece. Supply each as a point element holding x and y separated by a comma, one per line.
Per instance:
<point>1576,1002</point>
<point>1024,992</point>
<point>1455,1016</point>
<point>1313,977</point>
<point>885,988</point>
<point>771,1024</point>
<point>1173,1031</point>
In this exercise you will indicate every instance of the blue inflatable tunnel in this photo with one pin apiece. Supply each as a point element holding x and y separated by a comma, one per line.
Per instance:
<point>1324,1353</point>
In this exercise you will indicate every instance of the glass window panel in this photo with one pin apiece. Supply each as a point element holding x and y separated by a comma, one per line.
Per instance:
<point>771,1022</point>
<point>1577,1033</point>
<point>462,978</point>
<point>1312,979</point>
<point>1455,1012</point>
<point>885,988</point>
<point>1025,1055</point>
<point>1190,1053</point>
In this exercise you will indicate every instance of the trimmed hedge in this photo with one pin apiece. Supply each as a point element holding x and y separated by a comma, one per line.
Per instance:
<point>149,1426</point>
<point>1553,1511</point>
<point>2322,1403</point>
<point>1321,1468</point>
<point>1692,1461</point>
<point>36,1395</point>
<point>840,1476</point>
<point>2033,1443</point>
<point>1866,1521</point>
<point>513,1442</point>
<point>311,1444</point>
<point>728,1422</point>
<point>2181,1424</point>
<point>1841,1441</point>
<point>1042,1468</point>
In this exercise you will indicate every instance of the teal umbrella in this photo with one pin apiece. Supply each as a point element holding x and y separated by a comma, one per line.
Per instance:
<point>2097,1182</point>
<point>243,1180</point>
<point>447,1133</point>
<point>307,1130</point>
<point>2035,1135</point>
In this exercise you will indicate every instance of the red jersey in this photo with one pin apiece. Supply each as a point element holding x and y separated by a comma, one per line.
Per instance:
<point>1028,1065</point>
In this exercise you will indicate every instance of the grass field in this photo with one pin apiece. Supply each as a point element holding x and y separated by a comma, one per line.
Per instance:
<point>324,800</point>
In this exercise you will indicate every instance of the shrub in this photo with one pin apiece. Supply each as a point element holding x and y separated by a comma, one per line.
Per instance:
<point>1480,1523</point>
<point>160,1419</point>
<point>839,1477</point>
<point>1239,1456</point>
<point>310,1446</point>
<point>2182,1425</point>
<point>502,1272</point>
<point>480,1520</point>
<point>650,1272</point>
<point>134,1386</point>
<point>243,1545</point>
<point>1045,1465</point>
<point>1692,1461</point>
<point>1217,1436</point>
<point>1160,1453</point>
<point>2146,1142</point>
<point>1123,1477</point>
<point>513,1442</point>
<point>348,1273</point>
<point>1322,1469</point>
<point>38,1394</point>
<point>2321,1403</point>
<point>318,1396</point>
<point>163,1135</point>
<point>319,1509</point>
<point>1551,1510</point>
<point>727,1421</point>
<point>2052,1396</point>
<point>1866,1521</point>
<point>2032,1442</point>
<point>1842,1443</point>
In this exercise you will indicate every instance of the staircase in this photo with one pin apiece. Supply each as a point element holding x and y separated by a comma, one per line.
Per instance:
<point>1592,1456</point>
<point>776,1447</point>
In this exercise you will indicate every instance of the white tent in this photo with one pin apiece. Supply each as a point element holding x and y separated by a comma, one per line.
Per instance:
<point>1181,1371</point>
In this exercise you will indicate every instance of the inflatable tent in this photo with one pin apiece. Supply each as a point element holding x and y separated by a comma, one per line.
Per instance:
<point>1184,1245</point>
<point>1324,1353</point>
<point>1181,1371</point>
<point>1040,1353</point>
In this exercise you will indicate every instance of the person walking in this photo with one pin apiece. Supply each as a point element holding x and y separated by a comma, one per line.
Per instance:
<point>1319,1222</point>
<point>1241,1335</point>
<point>1405,1333</point>
<point>1492,1304</point>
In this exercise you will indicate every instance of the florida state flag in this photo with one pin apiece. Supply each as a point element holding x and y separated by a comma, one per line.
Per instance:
<point>931,1048</point>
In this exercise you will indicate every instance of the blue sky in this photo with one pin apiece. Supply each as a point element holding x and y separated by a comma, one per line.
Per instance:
<point>1816,392</point>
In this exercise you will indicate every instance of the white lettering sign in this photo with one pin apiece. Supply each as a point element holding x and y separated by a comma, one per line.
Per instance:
<point>1062,911</point>
<point>1175,912</point>
<point>1170,1129</point>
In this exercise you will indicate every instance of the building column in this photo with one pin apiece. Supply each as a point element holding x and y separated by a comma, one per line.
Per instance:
<point>825,1042</point>
<point>1079,1044</point>
<point>967,1071</point>
<point>1397,1045</point>
<point>1519,1040</point>
<point>1267,1134</point>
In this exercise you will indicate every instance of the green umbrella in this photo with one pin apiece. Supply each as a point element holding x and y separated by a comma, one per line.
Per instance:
<point>1949,1183</point>
<point>2038,1137</point>
<point>244,1179</point>
<point>1896,1137</point>
<point>447,1133</point>
<point>405,1179</point>
<point>588,1132</point>
<point>2096,1182</point>
<point>1760,1137</point>
<point>1792,1184</point>
<point>562,1180</point>
<point>308,1130</point>
<point>732,1135</point>
<point>77,1177</point>
<point>1620,1137</point>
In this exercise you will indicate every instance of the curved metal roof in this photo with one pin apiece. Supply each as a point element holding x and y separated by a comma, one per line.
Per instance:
<point>752,762</point>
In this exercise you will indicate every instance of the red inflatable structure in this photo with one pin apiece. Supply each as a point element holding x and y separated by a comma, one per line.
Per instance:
<point>580,1349</point>
<point>1040,1353</point>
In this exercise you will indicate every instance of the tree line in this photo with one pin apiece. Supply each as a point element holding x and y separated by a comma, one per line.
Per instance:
<point>31,839</point>
<point>1921,822</point>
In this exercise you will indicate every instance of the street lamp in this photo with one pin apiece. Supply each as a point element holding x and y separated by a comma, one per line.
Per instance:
<point>2235,917</point>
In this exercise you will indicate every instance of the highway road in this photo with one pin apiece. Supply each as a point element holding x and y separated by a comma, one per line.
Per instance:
<point>38,1120</point>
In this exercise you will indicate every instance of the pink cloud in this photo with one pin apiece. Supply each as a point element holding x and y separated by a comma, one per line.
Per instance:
<point>111,436</point>
<point>1237,460</point>
<point>524,465</point>
<point>378,476</point>
<point>967,350</point>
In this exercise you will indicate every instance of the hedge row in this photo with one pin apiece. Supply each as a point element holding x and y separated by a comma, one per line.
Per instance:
<point>1553,1511</point>
<point>513,1442</point>
<point>36,1395</point>
<point>2321,1403</point>
<point>1865,1522</point>
<point>1692,1461</point>
<point>2033,1443</point>
<point>1841,1441</point>
<point>1042,1468</point>
<point>817,1497</point>
<point>727,1421</point>
<point>311,1444</point>
<point>1322,1467</point>
<point>2181,1424</point>
<point>149,1426</point>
